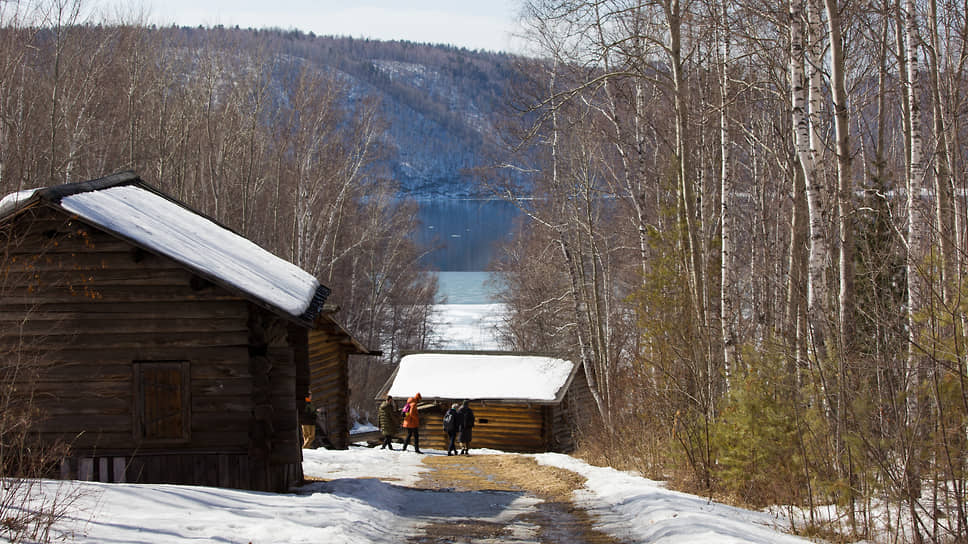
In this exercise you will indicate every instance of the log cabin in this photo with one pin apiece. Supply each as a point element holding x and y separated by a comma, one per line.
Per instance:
<point>326,376</point>
<point>164,347</point>
<point>522,402</point>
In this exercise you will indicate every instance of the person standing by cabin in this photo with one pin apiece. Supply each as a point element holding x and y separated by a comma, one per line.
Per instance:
<point>389,419</point>
<point>450,427</point>
<point>465,426</point>
<point>307,421</point>
<point>411,422</point>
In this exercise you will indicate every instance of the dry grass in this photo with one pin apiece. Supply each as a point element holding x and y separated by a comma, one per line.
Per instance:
<point>504,473</point>
<point>558,520</point>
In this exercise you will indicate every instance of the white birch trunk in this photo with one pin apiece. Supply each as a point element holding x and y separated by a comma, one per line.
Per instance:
<point>917,215</point>
<point>727,306</point>
<point>806,103</point>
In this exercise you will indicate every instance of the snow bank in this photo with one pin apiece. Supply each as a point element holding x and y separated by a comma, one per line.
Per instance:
<point>636,509</point>
<point>468,326</point>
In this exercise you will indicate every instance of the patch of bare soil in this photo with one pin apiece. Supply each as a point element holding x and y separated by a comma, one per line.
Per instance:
<point>553,520</point>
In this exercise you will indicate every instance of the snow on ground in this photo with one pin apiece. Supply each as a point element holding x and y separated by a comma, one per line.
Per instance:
<point>636,509</point>
<point>468,326</point>
<point>368,498</point>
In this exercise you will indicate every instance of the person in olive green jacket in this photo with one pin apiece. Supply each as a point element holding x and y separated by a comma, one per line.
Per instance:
<point>389,420</point>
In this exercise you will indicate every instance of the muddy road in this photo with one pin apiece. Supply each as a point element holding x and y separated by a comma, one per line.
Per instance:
<point>504,499</point>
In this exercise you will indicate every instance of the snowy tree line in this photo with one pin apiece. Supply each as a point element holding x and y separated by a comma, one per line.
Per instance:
<point>747,221</point>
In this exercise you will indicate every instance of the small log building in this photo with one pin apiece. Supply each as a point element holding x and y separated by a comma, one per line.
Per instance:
<point>169,349</point>
<point>326,376</point>
<point>522,402</point>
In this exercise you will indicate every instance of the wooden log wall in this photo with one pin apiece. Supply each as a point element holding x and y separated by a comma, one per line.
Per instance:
<point>576,411</point>
<point>329,383</point>
<point>79,306</point>
<point>506,427</point>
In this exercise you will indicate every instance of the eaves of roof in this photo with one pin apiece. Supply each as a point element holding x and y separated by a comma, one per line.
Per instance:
<point>52,196</point>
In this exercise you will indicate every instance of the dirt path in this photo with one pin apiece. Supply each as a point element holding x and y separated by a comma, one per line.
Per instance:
<point>529,503</point>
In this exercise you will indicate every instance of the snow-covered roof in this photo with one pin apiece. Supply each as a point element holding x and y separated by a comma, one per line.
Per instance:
<point>127,207</point>
<point>482,376</point>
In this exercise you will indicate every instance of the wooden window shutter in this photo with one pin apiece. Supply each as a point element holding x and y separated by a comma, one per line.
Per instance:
<point>163,411</point>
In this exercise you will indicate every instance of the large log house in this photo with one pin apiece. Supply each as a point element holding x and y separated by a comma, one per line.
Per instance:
<point>174,350</point>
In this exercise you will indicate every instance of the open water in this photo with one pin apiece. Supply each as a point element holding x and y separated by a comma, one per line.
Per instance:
<point>464,233</point>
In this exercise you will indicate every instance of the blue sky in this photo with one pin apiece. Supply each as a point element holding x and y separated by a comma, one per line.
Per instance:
<point>482,24</point>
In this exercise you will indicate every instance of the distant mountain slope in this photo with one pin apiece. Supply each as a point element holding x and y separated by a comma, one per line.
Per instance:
<point>441,104</point>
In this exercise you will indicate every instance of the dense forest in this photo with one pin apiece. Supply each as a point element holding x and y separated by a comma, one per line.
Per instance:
<point>745,219</point>
<point>748,223</point>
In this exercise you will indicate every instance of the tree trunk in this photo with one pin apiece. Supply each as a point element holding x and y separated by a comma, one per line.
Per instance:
<point>805,103</point>
<point>727,303</point>
<point>916,247</point>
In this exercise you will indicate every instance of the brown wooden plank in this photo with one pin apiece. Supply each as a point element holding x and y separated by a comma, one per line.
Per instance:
<point>58,407</point>
<point>94,355</point>
<point>73,423</point>
<point>226,387</point>
<point>67,271</point>
<point>33,260</point>
<point>236,308</point>
<point>114,293</point>
<point>127,325</point>
<point>139,340</point>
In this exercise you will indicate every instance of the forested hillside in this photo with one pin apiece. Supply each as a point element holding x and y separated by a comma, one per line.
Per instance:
<point>440,106</point>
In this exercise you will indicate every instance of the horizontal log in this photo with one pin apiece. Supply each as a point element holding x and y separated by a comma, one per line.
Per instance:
<point>227,387</point>
<point>138,340</point>
<point>123,442</point>
<point>70,375</point>
<point>237,308</point>
<point>328,393</point>
<point>85,442</point>
<point>122,261</point>
<point>329,362</point>
<point>204,370</point>
<point>332,380</point>
<point>238,404</point>
<point>73,423</point>
<point>51,294</point>
<point>67,274</point>
<point>328,356</point>
<point>225,421</point>
<point>63,406</point>
<point>155,324</point>
<point>39,243</point>
<point>98,355</point>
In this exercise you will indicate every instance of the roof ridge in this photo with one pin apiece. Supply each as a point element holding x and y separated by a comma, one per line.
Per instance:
<point>57,192</point>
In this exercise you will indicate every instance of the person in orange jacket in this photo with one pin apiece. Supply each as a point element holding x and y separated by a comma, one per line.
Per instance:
<point>411,422</point>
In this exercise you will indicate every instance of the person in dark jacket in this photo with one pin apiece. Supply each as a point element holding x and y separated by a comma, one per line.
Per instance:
<point>307,420</point>
<point>451,424</point>
<point>389,420</point>
<point>465,424</point>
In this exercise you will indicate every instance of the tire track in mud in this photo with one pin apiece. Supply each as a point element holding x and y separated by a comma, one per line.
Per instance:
<point>532,503</point>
